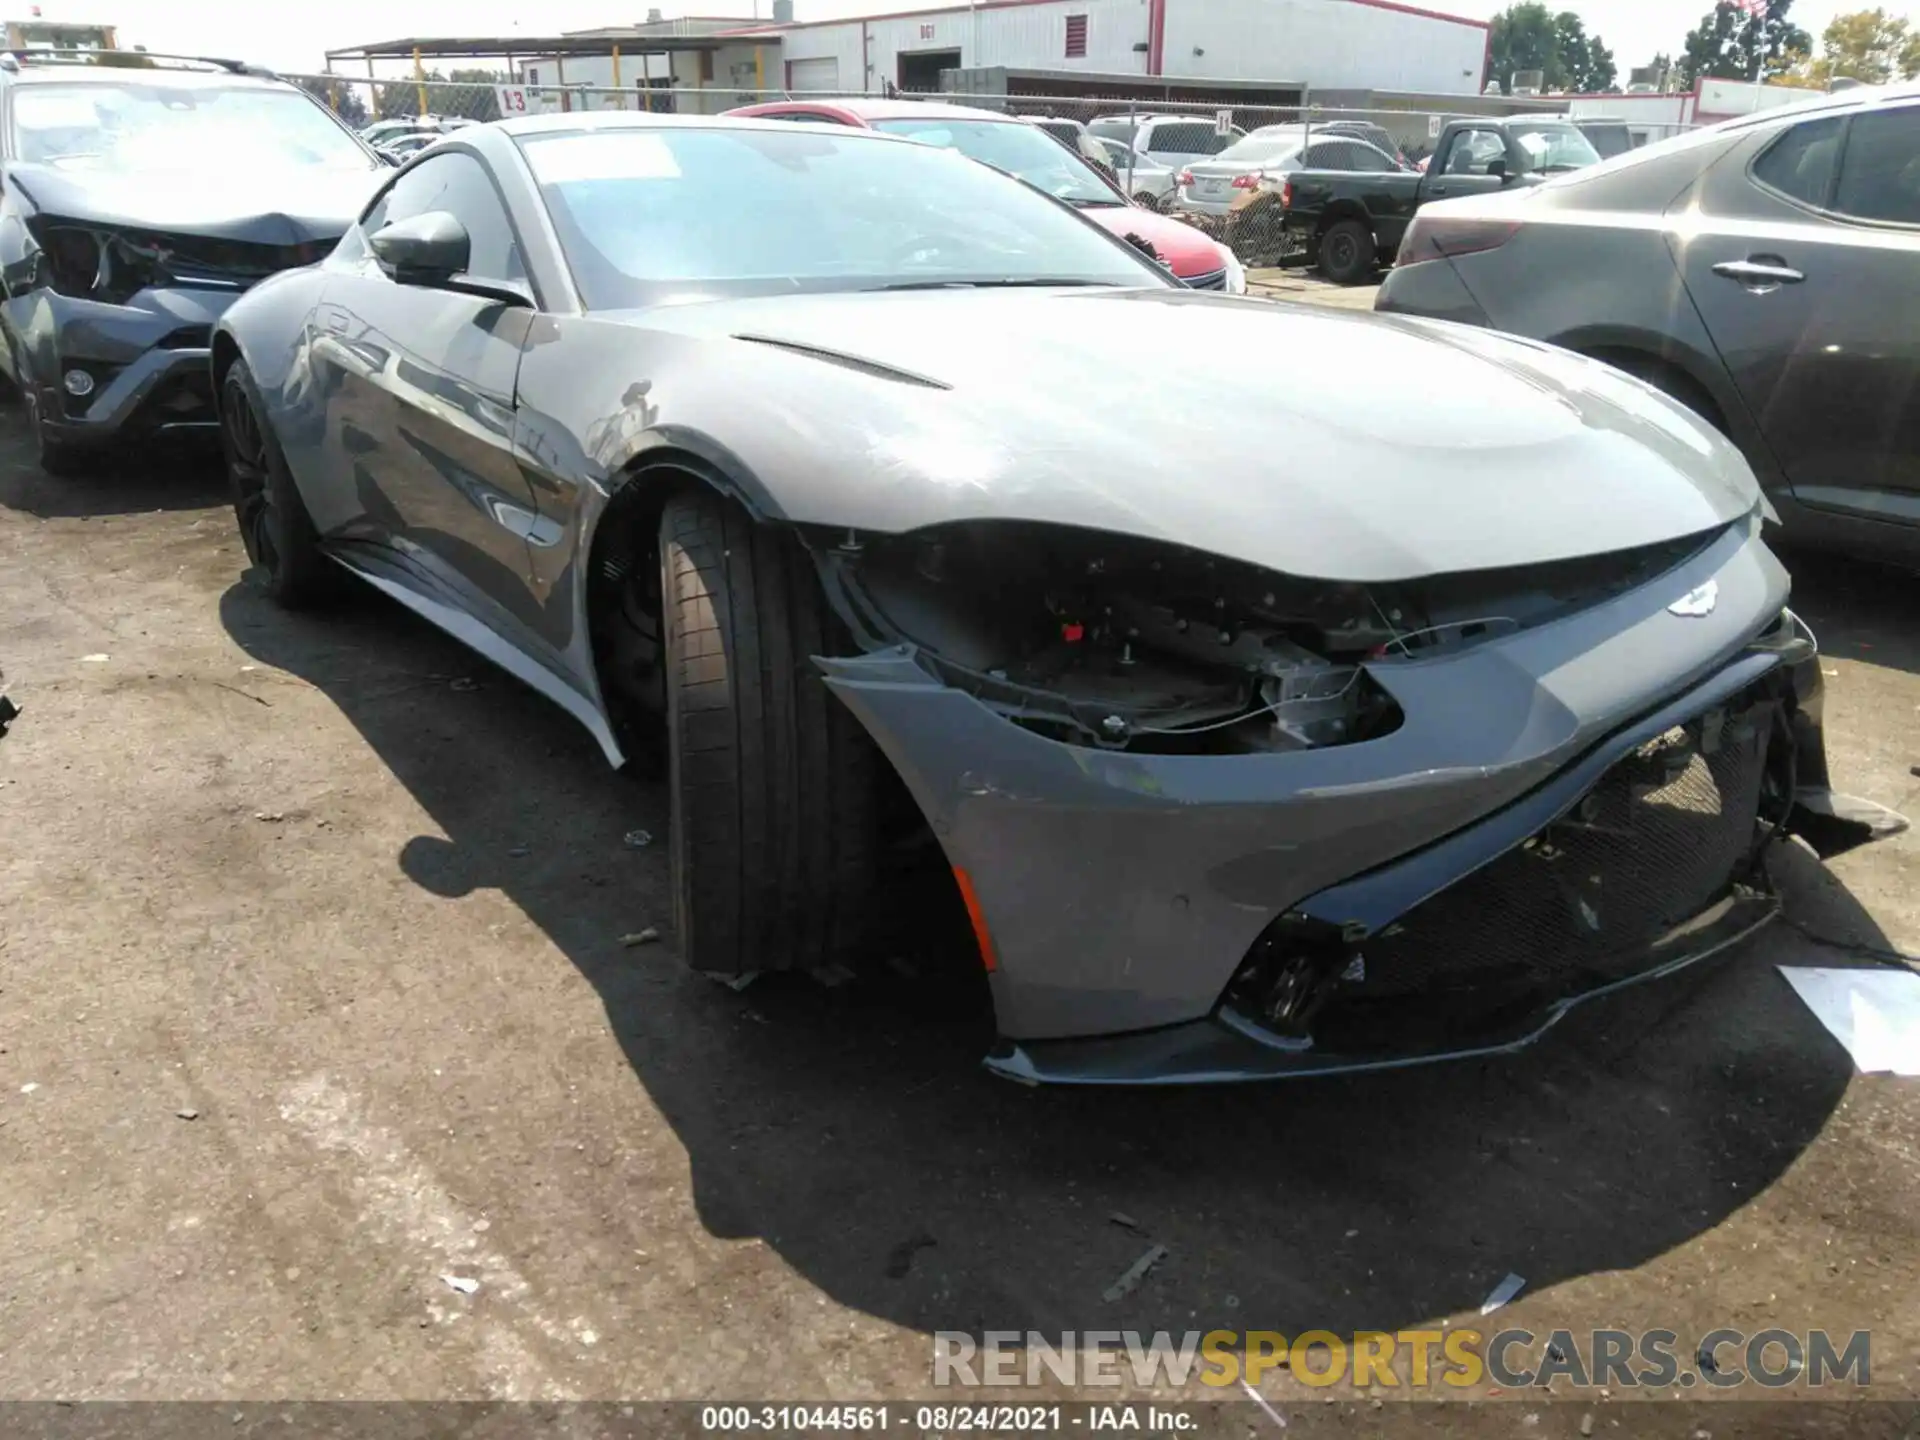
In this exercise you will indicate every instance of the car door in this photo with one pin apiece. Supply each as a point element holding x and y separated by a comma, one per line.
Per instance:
<point>420,395</point>
<point>1370,180</point>
<point>1466,165</point>
<point>1801,251</point>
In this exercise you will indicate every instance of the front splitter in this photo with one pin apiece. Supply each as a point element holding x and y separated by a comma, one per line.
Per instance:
<point>1228,1048</point>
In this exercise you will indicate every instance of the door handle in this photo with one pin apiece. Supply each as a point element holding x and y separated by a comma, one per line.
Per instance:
<point>1762,272</point>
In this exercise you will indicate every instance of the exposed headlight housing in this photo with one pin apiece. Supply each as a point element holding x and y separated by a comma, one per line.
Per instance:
<point>1123,643</point>
<point>113,264</point>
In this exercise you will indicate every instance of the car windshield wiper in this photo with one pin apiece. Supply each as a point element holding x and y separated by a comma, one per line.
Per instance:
<point>1038,282</point>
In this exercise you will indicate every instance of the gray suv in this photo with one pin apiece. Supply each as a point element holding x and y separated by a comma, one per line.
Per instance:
<point>1765,272</point>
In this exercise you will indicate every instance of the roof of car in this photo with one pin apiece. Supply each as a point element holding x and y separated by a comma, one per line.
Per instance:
<point>625,120</point>
<point>68,73</point>
<point>882,109</point>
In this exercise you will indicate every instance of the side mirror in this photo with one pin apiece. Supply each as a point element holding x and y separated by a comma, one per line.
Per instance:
<point>428,249</point>
<point>1498,169</point>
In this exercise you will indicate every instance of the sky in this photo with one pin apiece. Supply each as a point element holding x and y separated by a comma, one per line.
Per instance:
<point>293,35</point>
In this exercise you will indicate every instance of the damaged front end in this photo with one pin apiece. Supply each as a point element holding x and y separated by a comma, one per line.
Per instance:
<point>110,326</point>
<point>1214,822</point>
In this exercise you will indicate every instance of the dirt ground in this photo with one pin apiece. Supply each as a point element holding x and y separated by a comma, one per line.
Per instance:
<point>354,903</point>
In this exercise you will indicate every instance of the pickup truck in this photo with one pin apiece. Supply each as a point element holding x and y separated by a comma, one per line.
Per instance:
<point>1351,224</point>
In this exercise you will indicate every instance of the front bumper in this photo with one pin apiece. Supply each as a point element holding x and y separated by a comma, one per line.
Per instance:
<point>149,360</point>
<point>1123,892</point>
<point>1187,204</point>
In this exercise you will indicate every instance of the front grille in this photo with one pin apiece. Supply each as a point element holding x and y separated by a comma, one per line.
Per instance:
<point>1656,841</point>
<point>1212,280</point>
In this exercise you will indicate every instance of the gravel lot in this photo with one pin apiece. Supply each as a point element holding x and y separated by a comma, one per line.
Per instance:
<point>355,903</point>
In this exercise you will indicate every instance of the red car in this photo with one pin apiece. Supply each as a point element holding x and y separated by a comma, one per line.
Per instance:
<point>1022,148</point>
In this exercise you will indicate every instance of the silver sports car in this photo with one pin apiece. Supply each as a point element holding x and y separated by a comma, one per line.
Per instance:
<point>1297,733</point>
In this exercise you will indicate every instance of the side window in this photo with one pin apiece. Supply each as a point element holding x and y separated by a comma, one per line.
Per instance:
<point>1326,157</point>
<point>460,185</point>
<point>1474,150</point>
<point>1880,172</point>
<point>1800,164</point>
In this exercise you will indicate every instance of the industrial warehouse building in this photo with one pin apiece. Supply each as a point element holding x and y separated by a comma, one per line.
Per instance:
<point>1168,49</point>
<point>1317,43</point>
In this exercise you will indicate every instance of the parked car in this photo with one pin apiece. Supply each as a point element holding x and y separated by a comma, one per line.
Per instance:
<point>1608,137</point>
<point>1015,145</point>
<point>1761,272</point>
<point>1210,187</point>
<point>1148,181</point>
<point>1351,225</point>
<point>399,147</point>
<point>139,203</point>
<point>1171,140</point>
<point>382,131</point>
<point>1067,132</point>
<point>805,451</point>
<point>1377,136</point>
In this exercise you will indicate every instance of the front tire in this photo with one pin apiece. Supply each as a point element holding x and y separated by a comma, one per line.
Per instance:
<point>1348,254</point>
<point>772,780</point>
<point>274,525</point>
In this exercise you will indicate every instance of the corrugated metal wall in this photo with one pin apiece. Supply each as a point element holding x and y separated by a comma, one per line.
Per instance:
<point>1326,43</point>
<point>1020,36</point>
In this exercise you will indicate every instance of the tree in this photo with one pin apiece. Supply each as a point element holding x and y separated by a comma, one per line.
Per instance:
<point>1734,43</point>
<point>343,97</point>
<point>1528,36</point>
<point>483,101</point>
<point>1866,45</point>
<point>1587,62</point>
<point>1525,38</point>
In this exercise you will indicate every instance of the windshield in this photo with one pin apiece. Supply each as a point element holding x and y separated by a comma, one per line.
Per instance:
<point>1555,147</point>
<point>650,216</point>
<point>1018,149</point>
<point>1185,137</point>
<point>160,128</point>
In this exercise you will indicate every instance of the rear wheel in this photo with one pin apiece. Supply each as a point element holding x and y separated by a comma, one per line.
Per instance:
<point>773,782</point>
<point>274,524</point>
<point>1347,253</point>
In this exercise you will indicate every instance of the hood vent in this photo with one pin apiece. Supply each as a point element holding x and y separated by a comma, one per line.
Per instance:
<point>848,362</point>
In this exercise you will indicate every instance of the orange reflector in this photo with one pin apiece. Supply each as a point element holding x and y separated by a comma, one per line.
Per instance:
<point>979,920</point>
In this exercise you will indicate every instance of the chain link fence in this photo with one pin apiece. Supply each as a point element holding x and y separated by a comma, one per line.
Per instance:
<point>1149,148</point>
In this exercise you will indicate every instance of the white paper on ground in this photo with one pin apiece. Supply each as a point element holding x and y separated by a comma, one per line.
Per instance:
<point>1875,1014</point>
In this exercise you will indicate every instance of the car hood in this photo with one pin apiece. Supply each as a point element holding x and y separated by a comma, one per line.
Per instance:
<point>1184,248</point>
<point>284,207</point>
<point>1331,444</point>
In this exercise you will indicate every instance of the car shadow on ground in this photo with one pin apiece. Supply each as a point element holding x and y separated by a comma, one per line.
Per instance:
<point>164,473</point>
<point>1860,610</point>
<point>852,1129</point>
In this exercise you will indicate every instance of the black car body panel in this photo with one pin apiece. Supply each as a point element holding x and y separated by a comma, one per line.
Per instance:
<point>1387,203</point>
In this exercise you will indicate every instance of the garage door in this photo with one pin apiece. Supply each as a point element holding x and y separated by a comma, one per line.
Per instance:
<point>821,74</point>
